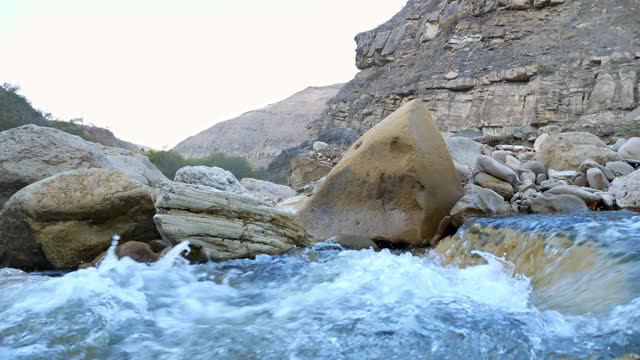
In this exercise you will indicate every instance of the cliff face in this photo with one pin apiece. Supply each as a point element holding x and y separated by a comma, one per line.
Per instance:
<point>260,135</point>
<point>500,67</point>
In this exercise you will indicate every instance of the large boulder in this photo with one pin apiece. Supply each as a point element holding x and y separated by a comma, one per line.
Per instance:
<point>267,191</point>
<point>31,153</point>
<point>627,191</point>
<point>478,202</point>
<point>630,149</point>
<point>68,219</point>
<point>566,151</point>
<point>464,151</point>
<point>226,225</point>
<point>395,184</point>
<point>214,177</point>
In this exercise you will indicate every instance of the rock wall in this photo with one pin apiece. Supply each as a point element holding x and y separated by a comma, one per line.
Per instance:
<point>500,67</point>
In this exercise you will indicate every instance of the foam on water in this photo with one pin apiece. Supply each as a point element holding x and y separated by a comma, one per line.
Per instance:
<point>322,303</point>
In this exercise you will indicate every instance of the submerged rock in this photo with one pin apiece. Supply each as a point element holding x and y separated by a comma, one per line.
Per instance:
<point>31,153</point>
<point>396,183</point>
<point>68,219</point>
<point>225,224</point>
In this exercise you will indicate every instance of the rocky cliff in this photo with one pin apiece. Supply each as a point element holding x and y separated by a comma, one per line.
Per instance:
<point>260,135</point>
<point>500,67</point>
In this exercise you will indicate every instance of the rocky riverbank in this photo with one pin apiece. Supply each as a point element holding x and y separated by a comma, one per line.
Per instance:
<point>400,184</point>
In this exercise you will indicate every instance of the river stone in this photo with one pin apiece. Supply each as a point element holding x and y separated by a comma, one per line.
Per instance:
<point>512,162</point>
<point>226,225</point>
<point>586,196</point>
<point>267,191</point>
<point>395,184</point>
<point>534,166</point>
<point>354,242</point>
<point>31,153</point>
<point>497,169</point>
<point>620,168</point>
<point>138,251</point>
<point>501,155</point>
<point>464,151</point>
<point>214,177</point>
<point>627,191</point>
<point>540,178</point>
<point>68,219</point>
<point>465,173</point>
<point>556,203</point>
<point>631,149</point>
<point>618,144</point>
<point>478,202</point>
<point>541,139</point>
<point>566,151</point>
<point>581,180</point>
<point>597,179</point>
<point>492,183</point>
<point>588,164</point>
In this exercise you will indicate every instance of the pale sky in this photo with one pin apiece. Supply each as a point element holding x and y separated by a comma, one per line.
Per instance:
<point>158,71</point>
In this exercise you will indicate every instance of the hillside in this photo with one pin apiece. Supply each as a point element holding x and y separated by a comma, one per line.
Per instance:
<point>15,110</point>
<point>500,67</point>
<point>260,135</point>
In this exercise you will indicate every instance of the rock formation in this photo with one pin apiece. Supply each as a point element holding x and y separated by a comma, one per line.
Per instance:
<point>225,225</point>
<point>260,135</point>
<point>500,67</point>
<point>395,184</point>
<point>31,153</point>
<point>68,219</point>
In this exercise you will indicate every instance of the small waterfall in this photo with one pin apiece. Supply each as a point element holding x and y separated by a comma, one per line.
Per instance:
<point>577,263</point>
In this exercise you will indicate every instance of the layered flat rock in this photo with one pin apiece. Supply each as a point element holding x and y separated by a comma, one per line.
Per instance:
<point>225,224</point>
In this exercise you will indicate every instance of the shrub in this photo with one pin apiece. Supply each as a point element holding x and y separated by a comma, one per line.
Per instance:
<point>169,162</point>
<point>543,69</point>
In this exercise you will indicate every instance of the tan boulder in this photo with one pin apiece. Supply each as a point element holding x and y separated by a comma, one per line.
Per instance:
<point>396,183</point>
<point>68,219</point>
<point>566,151</point>
<point>478,202</point>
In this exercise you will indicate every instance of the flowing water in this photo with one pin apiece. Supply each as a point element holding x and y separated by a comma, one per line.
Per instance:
<point>329,303</point>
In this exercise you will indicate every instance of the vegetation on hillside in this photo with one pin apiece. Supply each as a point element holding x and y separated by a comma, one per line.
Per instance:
<point>168,162</point>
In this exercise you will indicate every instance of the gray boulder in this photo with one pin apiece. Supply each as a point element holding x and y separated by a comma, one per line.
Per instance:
<point>556,203</point>
<point>464,151</point>
<point>478,202</point>
<point>566,151</point>
<point>225,225</point>
<point>630,149</point>
<point>492,183</point>
<point>31,153</point>
<point>213,177</point>
<point>620,168</point>
<point>496,169</point>
<point>267,191</point>
<point>627,191</point>
<point>534,166</point>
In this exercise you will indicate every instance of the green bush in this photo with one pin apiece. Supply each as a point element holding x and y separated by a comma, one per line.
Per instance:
<point>168,162</point>
<point>543,69</point>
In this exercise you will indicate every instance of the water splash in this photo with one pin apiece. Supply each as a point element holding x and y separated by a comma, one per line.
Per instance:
<point>318,303</point>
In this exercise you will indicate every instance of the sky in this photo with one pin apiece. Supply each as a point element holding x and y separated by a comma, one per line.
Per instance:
<point>158,71</point>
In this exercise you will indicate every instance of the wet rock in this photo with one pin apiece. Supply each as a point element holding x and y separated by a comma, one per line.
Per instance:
<point>492,183</point>
<point>68,219</point>
<point>31,153</point>
<point>267,191</point>
<point>608,201</point>
<point>620,168</point>
<point>556,203</point>
<point>213,177</point>
<point>225,224</point>
<point>627,191</point>
<point>597,179</point>
<point>495,168</point>
<point>631,149</point>
<point>384,188</point>
<point>566,151</point>
<point>478,201</point>
<point>138,251</point>
<point>463,151</point>
<point>159,245</point>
